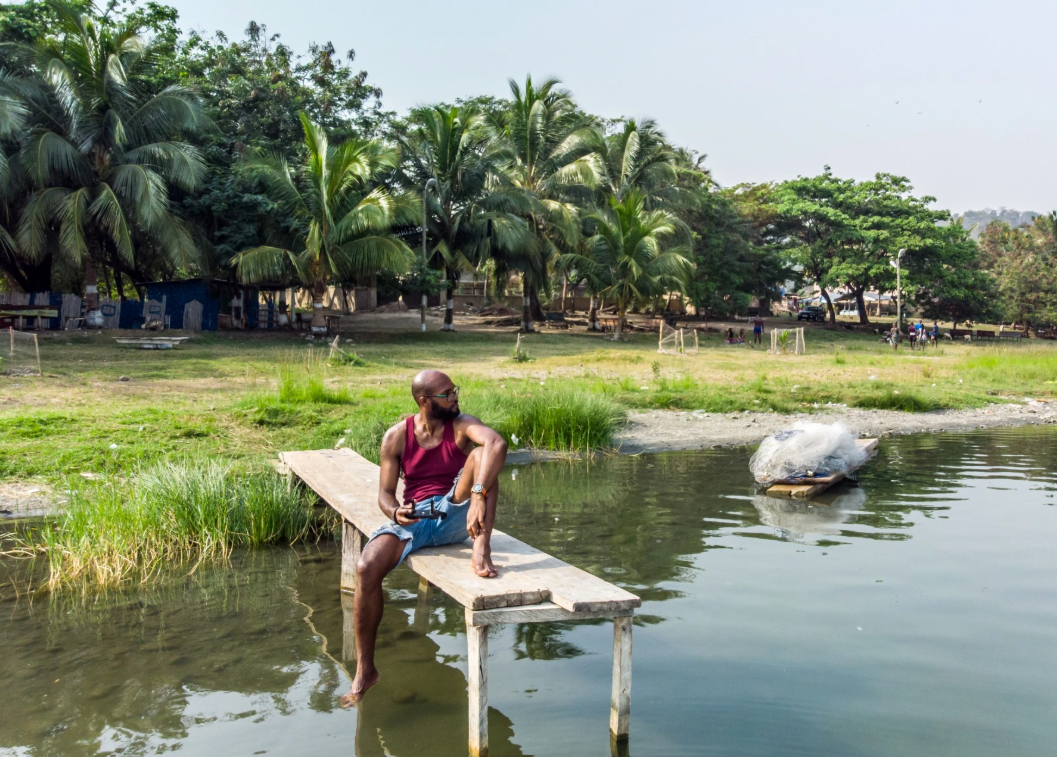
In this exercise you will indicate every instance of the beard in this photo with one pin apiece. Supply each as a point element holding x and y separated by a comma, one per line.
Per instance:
<point>438,413</point>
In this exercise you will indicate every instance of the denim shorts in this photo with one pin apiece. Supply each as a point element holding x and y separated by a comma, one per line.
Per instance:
<point>431,532</point>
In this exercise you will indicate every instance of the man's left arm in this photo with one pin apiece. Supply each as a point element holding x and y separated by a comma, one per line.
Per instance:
<point>493,457</point>
<point>493,454</point>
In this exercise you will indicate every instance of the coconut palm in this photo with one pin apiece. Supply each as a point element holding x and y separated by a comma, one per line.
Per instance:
<point>628,256</point>
<point>638,157</point>
<point>344,218</point>
<point>102,152</point>
<point>550,154</point>
<point>469,215</point>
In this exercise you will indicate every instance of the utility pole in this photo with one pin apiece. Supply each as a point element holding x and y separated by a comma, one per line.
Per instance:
<point>430,183</point>
<point>899,288</point>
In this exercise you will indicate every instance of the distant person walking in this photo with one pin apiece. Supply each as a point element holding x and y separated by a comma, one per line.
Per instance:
<point>757,329</point>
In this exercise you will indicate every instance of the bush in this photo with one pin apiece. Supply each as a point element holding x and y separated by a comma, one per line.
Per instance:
<point>166,514</point>
<point>553,418</point>
<point>906,401</point>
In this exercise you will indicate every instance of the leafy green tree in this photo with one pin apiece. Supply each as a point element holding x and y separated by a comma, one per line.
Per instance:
<point>549,153</point>
<point>1023,262</point>
<point>103,153</point>
<point>629,252</point>
<point>343,217</point>
<point>952,286</point>
<point>255,88</point>
<point>469,213</point>
<point>886,217</point>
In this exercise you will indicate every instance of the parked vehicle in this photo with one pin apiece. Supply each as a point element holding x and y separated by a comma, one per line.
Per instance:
<point>812,313</point>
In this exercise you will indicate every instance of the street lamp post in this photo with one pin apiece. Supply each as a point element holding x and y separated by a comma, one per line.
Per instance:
<point>432,183</point>
<point>899,287</point>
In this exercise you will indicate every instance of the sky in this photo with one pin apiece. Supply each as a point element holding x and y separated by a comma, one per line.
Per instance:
<point>957,96</point>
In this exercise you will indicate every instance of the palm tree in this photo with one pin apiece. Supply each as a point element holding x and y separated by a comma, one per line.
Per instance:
<point>468,215</point>
<point>102,153</point>
<point>344,218</point>
<point>627,255</point>
<point>638,157</point>
<point>550,154</point>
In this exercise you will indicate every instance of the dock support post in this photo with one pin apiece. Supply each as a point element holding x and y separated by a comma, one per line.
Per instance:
<point>351,545</point>
<point>425,594</point>
<point>348,628</point>
<point>620,704</point>
<point>477,662</point>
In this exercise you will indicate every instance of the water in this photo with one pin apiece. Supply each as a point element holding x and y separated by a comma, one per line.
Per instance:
<point>916,615</point>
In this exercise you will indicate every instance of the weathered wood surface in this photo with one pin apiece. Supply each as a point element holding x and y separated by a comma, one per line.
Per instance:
<point>804,488</point>
<point>351,545</point>
<point>477,688</point>
<point>527,576</point>
<point>544,612</point>
<point>620,702</point>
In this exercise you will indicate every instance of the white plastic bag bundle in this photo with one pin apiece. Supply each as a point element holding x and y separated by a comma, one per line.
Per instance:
<point>806,449</point>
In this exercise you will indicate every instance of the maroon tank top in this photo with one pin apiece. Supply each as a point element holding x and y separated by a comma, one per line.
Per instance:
<point>428,472</point>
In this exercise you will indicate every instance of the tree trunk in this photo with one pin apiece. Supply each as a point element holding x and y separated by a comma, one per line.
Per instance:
<point>619,331</point>
<point>565,284</point>
<point>592,315</point>
<point>860,303</point>
<point>534,304</point>
<point>93,318</point>
<point>526,307</point>
<point>449,309</point>
<point>829,305</point>
<point>319,322</point>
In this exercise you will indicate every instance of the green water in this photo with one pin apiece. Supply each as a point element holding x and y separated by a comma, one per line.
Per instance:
<point>914,616</point>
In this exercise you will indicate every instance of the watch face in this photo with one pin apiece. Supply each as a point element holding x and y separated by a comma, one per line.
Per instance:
<point>477,489</point>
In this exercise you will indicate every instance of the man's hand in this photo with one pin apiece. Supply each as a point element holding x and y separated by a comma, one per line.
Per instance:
<point>403,514</point>
<point>475,516</point>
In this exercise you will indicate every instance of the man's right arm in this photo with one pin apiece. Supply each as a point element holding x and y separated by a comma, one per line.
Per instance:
<point>392,448</point>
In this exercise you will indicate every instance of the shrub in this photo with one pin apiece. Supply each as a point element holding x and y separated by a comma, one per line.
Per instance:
<point>166,514</point>
<point>906,401</point>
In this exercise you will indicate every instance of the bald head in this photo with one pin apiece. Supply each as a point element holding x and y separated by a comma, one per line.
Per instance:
<point>427,383</point>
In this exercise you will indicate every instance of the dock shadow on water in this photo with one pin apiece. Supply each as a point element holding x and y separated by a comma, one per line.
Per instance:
<point>912,615</point>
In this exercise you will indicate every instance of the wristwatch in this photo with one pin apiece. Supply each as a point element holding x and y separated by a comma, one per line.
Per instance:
<point>479,489</point>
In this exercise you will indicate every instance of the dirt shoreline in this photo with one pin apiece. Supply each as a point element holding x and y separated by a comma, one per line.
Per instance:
<point>666,430</point>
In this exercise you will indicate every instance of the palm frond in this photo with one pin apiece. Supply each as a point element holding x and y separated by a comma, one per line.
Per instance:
<point>180,163</point>
<point>261,265</point>
<point>142,191</point>
<point>38,217</point>
<point>50,159</point>
<point>106,210</point>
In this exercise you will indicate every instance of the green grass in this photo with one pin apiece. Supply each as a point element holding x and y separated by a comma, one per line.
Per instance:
<point>244,397</point>
<point>167,514</point>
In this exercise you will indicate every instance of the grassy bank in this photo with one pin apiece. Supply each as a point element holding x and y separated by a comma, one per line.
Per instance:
<point>162,516</point>
<point>242,398</point>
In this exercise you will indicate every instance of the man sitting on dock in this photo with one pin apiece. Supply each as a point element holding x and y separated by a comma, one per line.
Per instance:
<point>450,463</point>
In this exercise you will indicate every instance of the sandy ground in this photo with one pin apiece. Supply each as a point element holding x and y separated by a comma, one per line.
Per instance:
<point>22,500</point>
<point>659,430</point>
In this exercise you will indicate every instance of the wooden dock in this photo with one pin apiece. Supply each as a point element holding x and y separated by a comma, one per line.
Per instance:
<point>532,586</point>
<point>805,488</point>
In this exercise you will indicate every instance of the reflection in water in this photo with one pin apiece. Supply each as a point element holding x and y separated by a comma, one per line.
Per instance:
<point>930,631</point>
<point>794,520</point>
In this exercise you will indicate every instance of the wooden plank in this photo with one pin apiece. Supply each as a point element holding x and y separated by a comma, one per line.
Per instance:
<point>801,491</point>
<point>620,702</point>
<point>527,576</point>
<point>544,612</point>
<point>477,684</point>
<point>348,628</point>
<point>352,542</point>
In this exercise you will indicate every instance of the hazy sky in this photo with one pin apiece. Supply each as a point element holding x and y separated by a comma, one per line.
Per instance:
<point>767,90</point>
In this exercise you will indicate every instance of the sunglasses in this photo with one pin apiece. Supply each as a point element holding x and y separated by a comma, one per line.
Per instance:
<point>452,395</point>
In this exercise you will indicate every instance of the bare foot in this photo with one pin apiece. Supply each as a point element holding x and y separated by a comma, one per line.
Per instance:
<point>482,561</point>
<point>359,688</point>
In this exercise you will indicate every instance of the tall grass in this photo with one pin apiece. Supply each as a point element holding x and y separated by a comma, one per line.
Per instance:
<point>302,378</point>
<point>170,513</point>
<point>554,417</point>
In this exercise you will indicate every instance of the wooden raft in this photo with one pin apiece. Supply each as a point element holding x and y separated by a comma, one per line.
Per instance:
<point>804,488</point>
<point>532,586</point>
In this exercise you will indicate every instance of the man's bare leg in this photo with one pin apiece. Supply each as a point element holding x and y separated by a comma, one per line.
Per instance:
<point>376,562</point>
<point>482,545</point>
